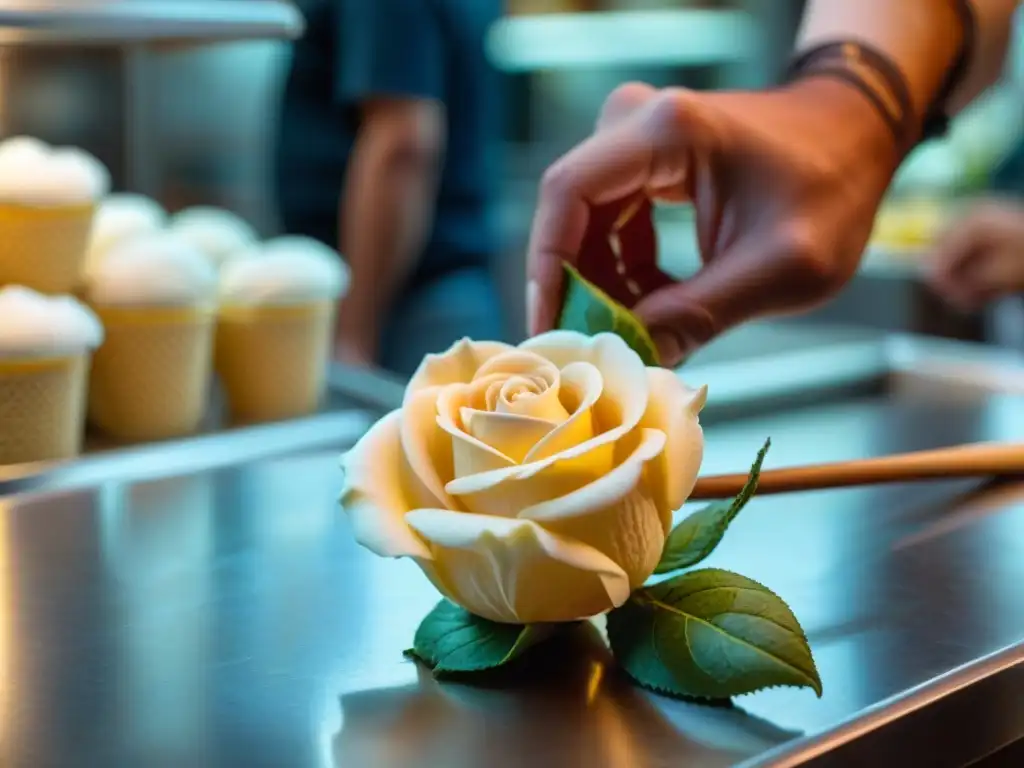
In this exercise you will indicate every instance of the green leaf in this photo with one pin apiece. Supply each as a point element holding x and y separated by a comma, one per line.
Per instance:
<point>588,309</point>
<point>452,640</point>
<point>697,536</point>
<point>711,634</point>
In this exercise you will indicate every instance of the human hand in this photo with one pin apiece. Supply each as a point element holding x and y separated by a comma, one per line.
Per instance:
<point>785,185</point>
<point>981,257</point>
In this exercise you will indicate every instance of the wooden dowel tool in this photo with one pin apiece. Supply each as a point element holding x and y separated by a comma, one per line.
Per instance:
<point>978,460</point>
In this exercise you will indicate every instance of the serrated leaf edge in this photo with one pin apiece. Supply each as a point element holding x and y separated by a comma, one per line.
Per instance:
<point>680,694</point>
<point>694,697</point>
<point>815,681</point>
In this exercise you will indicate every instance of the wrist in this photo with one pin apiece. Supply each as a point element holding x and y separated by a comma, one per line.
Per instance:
<point>846,115</point>
<point>921,37</point>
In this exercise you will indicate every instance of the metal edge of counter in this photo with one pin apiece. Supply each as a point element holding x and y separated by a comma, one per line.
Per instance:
<point>148,21</point>
<point>797,376</point>
<point>377,388</point>
<point>801,375</point>
<point>165,459</point>
<point>957,363</point>
<point>932,711</point>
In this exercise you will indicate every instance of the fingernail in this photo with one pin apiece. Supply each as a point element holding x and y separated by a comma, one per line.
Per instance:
<point>532,307</point>
<point>670,347</point>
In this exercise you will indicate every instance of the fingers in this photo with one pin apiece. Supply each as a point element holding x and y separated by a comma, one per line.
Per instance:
<point>756,278</point>
<point>546,252</point>
<point>988,272</point>
<point>650,147</point>
<point>953,269</point>
<point>623,102</point>
<point>957,244</point>
<point>951,279</point>
<point>619,253</point>
<point>608,166</point>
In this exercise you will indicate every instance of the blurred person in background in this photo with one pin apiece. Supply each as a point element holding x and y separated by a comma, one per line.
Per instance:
<point>785,183</point>
<point>387,150</point>
<point>981,257</point>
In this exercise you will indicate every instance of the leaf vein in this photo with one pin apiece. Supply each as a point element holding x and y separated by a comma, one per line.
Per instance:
<point>690,617</point>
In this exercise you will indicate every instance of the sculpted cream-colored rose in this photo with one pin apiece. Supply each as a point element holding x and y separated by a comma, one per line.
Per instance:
<point>532,483</point>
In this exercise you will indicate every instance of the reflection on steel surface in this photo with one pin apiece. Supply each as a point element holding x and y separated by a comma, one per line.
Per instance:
<point>291,634</point>
<point>570,700</point>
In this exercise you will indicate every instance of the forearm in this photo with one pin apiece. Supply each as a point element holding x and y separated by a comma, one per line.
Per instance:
<point>992,44</point>
<point>921,36</point>
<point>387,211</point>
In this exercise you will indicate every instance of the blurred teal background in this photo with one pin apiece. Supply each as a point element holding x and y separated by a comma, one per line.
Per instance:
<point>157,116</point>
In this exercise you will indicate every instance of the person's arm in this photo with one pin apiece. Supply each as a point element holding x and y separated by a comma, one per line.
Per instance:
<point>390,68</point>
<point>992,44</point>
<point>921,37</point>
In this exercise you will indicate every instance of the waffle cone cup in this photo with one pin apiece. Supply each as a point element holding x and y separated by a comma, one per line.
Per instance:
<point>150,379</point>
<point>44,247</point>
<point>42,408</point>
<point>272,361</point>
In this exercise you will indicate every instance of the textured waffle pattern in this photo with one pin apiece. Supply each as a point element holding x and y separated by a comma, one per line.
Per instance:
<point>272,361</point>
<point>42,409</point>
<point>44,248</point>
<point>150,379</point>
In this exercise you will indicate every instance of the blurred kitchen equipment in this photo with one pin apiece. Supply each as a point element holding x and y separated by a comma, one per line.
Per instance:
<point>108,75</point>
<point>979,460</point>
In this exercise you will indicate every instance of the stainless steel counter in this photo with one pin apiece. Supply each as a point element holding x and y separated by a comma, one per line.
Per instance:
<point>182,612</point>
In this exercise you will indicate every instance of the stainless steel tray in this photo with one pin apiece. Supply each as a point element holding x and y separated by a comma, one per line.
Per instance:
<point>188,611</point>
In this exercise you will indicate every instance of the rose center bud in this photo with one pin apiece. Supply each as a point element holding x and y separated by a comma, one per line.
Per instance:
<point>512,404</point>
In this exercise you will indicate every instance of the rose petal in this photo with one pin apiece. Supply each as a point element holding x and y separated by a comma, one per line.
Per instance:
<point>564,347</point>
<point>625,386</point>
<point>581,386</point>
<point>615,414</point>
<point>458,365</point>
<point>427,450</point>
<point>615,514</point>
<point>516,361</point>
<point>581,462</point>
<point>527,371</point>
<point>674,408</point>
<point>518,397</point>
<point>513,571</point>
<point>470,455</point>
<point>510,434</point>
<point>505,491</point>
<point>373,497</point>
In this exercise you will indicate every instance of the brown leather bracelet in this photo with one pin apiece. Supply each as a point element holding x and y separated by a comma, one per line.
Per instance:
<point>872,73</point>
<point>936,121</point>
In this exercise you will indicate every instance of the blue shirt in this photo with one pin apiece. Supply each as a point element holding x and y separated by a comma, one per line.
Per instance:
<point>357,49</point>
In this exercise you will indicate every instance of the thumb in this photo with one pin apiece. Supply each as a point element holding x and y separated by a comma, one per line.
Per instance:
<point>752,280</point>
